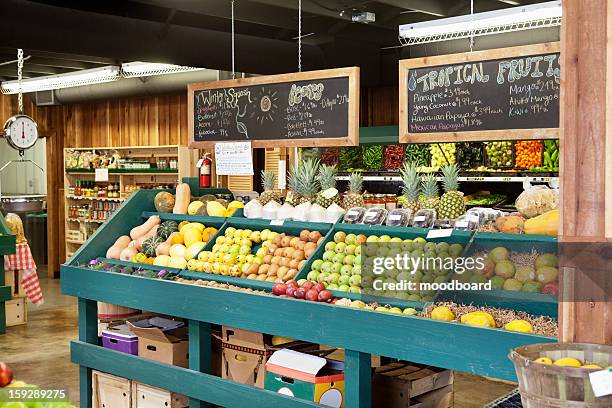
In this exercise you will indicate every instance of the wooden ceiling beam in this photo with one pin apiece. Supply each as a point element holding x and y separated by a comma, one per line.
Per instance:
<point>438,8</point>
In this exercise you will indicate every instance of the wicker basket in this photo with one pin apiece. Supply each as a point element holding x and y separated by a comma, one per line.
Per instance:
<point>547,385</point>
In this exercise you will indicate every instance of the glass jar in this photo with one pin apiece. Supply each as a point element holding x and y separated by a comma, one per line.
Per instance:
<point>379,201</point>
<point>391,202</point>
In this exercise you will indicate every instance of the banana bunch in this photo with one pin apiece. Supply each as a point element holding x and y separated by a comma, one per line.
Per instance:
<point>551,155</point>
<point>442,154</point>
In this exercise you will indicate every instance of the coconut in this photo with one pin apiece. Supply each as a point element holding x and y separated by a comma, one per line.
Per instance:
<point>270,210</point>
<point>300,212</point>
<point>253,209</point>
<point>333,212</point>
<point>285,212</point>
<point>316,213</point>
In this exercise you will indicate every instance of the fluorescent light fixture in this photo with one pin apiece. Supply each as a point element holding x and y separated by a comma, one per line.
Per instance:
<point>143,69</point>
<point>507,20</point>
<point>66,80</point>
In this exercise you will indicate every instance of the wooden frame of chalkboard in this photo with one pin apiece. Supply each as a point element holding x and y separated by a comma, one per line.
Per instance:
<point>405,136</point>
<point>350,137</point>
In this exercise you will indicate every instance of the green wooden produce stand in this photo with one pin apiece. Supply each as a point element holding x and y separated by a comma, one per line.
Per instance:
<point>361,333</point>
<point>7,246</point>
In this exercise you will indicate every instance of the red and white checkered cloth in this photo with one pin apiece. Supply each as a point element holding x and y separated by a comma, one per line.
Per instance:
<point>23,261</point>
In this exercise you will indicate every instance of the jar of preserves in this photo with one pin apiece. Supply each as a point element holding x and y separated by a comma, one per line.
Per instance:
<point>390,202</point>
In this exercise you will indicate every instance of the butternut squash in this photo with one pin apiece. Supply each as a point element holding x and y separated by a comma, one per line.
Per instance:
<point>141,230</point>
<point>127,254</point>
<point>114,251</point>
<point>547,224</point>
<point>182,198</point>
<point>140,240</point>
<point>164,247</point>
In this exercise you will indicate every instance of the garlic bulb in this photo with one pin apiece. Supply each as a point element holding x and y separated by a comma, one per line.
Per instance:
<point>300,212</point>
<point>253,209</point>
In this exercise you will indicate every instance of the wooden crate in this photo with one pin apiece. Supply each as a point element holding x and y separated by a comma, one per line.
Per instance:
<point>110,391</point>
<point>338,354</point>
<point>409,385</point>
<point>145,396</point>
<point>11,278</point>
<point>16,311</point>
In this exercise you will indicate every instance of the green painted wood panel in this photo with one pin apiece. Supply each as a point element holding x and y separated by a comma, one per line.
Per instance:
<point>450,345</point>
<point>200,354</point>
<point>7,239</point>
<point>88,333</point>
<point>7,246</point>
<point>357,379</point>
<point>198,386</point>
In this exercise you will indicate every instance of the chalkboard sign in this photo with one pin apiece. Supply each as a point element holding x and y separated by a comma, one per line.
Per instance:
<point>316,108</point>
<point>510,93</point>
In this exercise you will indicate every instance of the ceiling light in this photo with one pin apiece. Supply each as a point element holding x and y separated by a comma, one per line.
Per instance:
<point>66,80</point>
<point>143,69</point>
<point>506,20</point>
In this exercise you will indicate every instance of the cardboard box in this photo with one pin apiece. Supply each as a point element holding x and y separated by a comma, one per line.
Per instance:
<point>305,376</point>
<point>244,355</point>
<point>410,385</point>
<point>110,391</point>
<point>16,311</point>
<point>166,346</point>
<point>146,396</point>
<point>338,354</point>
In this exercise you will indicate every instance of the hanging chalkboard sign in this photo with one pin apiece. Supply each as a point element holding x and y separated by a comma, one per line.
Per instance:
<point>501,94</point>
<point>316,108</point>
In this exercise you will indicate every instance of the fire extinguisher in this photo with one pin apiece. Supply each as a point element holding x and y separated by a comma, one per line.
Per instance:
<point>205,171</point>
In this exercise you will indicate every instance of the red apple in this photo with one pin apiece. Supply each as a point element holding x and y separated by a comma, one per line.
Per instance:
<point>300,293</point>
<point>325,296</point>
<point>551,288</point>
<point>307,285</point>
<point>312,295</point>
<point>293,283</point>
<point>290,291</point>
<point>319,287</point>
<point>6,375</point>
<point>279,289</point>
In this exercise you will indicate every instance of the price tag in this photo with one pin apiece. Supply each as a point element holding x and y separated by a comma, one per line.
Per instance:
<point>277,223</point>
<point>601,382</point>
<point>352,213</point>
<point>101,175</point>
<point>461,224</point>
<point>419,218</point>
<point>395,217</point>
<point>439,233</point>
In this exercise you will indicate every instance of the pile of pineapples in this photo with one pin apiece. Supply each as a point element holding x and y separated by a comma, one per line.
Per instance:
<point>311,181</point>
<point>422,192</point>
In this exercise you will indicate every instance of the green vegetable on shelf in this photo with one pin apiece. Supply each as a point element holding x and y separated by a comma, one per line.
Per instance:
<point>351,158</point>
<point>417,154</point>
<point>373,157</point>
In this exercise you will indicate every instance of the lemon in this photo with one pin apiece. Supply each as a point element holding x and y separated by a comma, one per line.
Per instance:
<point>381,309</point>
<point>442,313</point>
<point>591,366</point>
<point>543,360</point>
<point>477,317</point>
<point>395,310</point>
<point>568,362</point>
<point>522,326</point>
<point>475,320</point>
<point>410,311</point>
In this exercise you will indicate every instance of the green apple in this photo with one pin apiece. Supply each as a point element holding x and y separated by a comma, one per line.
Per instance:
<point>350,249</point>
<point>355,280</point>
<point>339,236</point>
<point>382,251</point>
<point>343,288</point>
<point>336,268</point>
<point>316,265</point>
<point>346,269</point>
<point>455,250</point>
<point>429,247</point>
<point>350,239</point>
<point>338,258</point>
<point>357,260</point>
<point>330,246</point>
<point>340,247</point>
<point>333,278</point>
<point>344,280</point>
<point>384,238</point>
<point>328,255</point>
<point>349,260</point>
<point>355,289</point>
<point>331,286</point>
<point>406,245</point>
<point>326,267</point>
<point>372,238</point>
<point>313,275</point>
<point>322,277</point>
<point>442,247</point>
<point>358,250</point>
<point>356,270</point>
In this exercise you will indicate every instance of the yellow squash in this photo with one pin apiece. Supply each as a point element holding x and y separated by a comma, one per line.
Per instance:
<point>547,224</point>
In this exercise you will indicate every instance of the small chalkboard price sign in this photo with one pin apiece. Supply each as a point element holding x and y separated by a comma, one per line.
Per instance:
<point>500,94</point>
<point>315,108</point>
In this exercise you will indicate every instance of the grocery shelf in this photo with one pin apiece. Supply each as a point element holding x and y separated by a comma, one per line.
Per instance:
<point>153,171</point>
<point>86,220</point>
<point>76,242</point>
<point>485,179</point>
<point>73,197</point>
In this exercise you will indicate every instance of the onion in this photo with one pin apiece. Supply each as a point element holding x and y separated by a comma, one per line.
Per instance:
<point>285,212</point>
<point>333,212</point>
<point>270,210</point>
<point>316,213</point>
<point>300,212</point>
<point>253,209</point>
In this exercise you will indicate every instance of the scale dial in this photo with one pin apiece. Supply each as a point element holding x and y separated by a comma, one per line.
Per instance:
<point>21,132</point>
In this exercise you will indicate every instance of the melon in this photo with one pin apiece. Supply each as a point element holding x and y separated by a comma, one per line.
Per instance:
<point>162,260</point>
<point>166,228</point>
<point>164,202</point>
<point>195,207</point>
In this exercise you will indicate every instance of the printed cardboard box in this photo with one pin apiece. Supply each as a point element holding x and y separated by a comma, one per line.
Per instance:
<point>166,346</point>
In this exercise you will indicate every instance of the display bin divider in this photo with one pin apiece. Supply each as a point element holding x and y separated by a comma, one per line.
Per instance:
<point>7,246</point>
<point>207,220</point>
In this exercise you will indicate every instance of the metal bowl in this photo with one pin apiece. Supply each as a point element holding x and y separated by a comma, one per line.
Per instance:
<point>23,203</point>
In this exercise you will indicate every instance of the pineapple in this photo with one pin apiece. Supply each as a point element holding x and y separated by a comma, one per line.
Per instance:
<point>410,190</point>
<point>327,180</point>
<point>268,179</point>
<point>303,181</point>
<point>430,197</point>
<point>451,204</point>
<point>354,198</point>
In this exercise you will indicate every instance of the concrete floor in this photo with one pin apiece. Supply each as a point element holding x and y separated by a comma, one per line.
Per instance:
<point>39,352</point>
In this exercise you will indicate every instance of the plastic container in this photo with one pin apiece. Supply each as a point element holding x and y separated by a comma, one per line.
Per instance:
<point>484,214</point>
<point>374,216</point>
<point>354,215</point>
<point>399,217</point>
<point>120,338</point>
<point>467,222</point>
<point>425,218</point>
